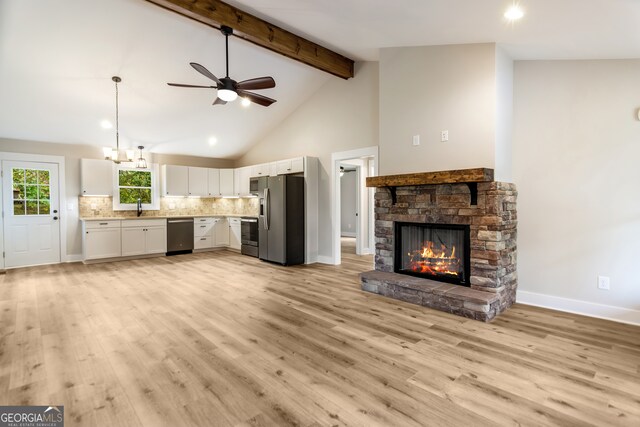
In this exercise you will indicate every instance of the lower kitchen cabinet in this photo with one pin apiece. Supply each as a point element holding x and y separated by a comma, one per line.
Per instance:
<point>101,239</point>
<point>144,237</point>
<point>234,233</point>
<point>221,232</point>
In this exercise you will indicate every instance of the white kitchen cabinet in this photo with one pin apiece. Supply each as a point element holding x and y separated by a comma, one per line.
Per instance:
<point>213,178</point>
<point>203,233</point>
<point>175,180</point>
<point>241,183</point>
<point>133,241</point>
<point>100,239</point>
<point>144,237</point>
<point>260,170</point>
<point>284,167</point>
<point>273,168</point>
<point>234,233</point>
<point>221,232</point>
<point>96,177</point>
<point>198,182</point>
<point>227,182</point>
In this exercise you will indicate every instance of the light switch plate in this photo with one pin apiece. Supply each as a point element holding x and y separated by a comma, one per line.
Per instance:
<point>416,140</point>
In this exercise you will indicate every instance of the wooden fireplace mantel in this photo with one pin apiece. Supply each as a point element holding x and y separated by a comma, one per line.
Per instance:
<point>461,176</point>
<point>471,177</point>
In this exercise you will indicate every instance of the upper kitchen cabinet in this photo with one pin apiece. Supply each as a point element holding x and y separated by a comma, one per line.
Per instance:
<point>175,180</point>
<point>227,182</point>
<point>260,170</point>
<point>285,167</point>
<point>96,177</point>
<point>213,177</point>
<point>198,182</point>
<point>241,182</point>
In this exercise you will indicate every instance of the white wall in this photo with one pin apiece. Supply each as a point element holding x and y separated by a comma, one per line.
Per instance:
<point>72,154</point>
<point>504,117</point>
<point>424,90</point>
<point>575,162</point>
<point>348,202</point>
<point>342,115</point>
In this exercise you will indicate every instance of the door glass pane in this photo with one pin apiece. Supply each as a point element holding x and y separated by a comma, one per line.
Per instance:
<point>32,192</point>
<point>18,192</point>
<point>45,208</point>
<point>18,176</point>
<point>43,177</point>
<point>43,193</point>
<point>31,176</point>
<point>18,207</point>
<point>32,207</point>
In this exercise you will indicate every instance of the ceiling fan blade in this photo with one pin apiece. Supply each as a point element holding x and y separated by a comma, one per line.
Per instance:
<point>219,101</point>
<point>182,85</point>
<point>199,68</point>
<point>255,98</point>
<point>257,83</point>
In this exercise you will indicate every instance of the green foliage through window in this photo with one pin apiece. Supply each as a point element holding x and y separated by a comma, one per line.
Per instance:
<point>134,185</point>
<point>31,191</point>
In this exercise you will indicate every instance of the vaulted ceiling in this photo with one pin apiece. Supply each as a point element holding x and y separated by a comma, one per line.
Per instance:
<point>57,58</point>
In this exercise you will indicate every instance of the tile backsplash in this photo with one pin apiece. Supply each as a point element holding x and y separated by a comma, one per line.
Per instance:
<point>102,207</point>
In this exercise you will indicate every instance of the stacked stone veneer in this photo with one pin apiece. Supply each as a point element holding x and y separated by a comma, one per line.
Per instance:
<point>493,247</point>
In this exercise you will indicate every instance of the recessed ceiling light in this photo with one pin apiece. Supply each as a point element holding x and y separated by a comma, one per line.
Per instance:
<point>106,124</point>
<point>514,13</point>
<point>213,140</point>
<point>245,102</point>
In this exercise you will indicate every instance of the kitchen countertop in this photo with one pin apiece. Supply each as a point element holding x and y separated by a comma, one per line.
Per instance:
<point>135,218</point>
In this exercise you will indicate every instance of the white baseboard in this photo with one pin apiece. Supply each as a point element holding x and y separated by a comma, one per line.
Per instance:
<point>347,234</point>
<point>74,258</point>
<point>601,311</point>
<point>325,260</point>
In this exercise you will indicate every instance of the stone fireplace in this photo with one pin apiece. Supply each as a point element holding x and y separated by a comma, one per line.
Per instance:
<point>446,240</point>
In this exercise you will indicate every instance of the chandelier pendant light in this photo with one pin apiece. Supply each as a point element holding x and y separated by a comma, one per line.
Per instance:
<point>114,153</point>
<point>141,163</point>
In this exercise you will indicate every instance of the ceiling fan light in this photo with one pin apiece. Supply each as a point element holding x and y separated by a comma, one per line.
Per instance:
<point>227,95</point>
<point>246,102</point>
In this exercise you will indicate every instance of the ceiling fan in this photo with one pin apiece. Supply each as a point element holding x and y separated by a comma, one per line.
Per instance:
<point>229,89</point>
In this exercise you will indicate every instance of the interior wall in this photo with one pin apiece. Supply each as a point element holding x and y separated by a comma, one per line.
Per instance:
<point>425,90</point>
<point>348,202</point>
<point>575,163</point>
<point>342,115</point>
<point>72,154</point>
<point>504,117</point>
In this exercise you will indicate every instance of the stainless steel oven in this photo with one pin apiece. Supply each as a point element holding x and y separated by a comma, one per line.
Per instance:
<point>249,236</point>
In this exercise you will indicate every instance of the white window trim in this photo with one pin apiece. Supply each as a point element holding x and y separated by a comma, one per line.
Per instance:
<point>155,188</point>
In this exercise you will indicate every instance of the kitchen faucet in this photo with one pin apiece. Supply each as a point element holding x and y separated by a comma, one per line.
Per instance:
<point>139,206</point>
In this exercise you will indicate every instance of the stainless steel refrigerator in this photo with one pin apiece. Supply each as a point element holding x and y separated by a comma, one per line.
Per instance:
<point>281,221</point>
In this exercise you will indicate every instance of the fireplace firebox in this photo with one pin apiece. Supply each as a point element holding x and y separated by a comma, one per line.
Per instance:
<point>433,251</point>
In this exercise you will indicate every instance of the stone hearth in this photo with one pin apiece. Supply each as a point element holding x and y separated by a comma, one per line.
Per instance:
<point>446,198</point>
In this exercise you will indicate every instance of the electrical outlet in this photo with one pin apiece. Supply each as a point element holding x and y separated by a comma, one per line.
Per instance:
<point>604,283</point>
<point>444,136</point>
<point>416,140</point>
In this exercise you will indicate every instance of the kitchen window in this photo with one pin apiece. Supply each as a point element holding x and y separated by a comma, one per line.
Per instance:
<point>132,184</point>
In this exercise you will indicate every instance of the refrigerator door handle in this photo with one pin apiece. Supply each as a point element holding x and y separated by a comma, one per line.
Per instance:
<point>267,217</point>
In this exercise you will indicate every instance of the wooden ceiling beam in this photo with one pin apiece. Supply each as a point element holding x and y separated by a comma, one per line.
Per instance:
<point>215,13</point>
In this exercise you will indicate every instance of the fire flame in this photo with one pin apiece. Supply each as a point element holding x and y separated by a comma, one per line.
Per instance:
<point>434,261</point>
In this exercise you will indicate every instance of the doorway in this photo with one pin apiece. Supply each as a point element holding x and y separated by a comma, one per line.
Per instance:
<point>352,218</point>
<point>31,223</point>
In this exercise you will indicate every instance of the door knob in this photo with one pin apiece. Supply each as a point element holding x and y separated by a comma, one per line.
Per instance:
<point>55,211</point>
<point>55,218</point>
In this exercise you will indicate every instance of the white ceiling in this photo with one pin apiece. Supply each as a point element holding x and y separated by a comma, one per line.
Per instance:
<point>57,58</point>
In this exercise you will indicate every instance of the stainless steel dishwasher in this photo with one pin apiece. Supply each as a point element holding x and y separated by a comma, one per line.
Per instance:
<point>179,235</point>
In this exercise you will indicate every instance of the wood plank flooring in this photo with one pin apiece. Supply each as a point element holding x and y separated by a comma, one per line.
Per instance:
<point>224,339</point>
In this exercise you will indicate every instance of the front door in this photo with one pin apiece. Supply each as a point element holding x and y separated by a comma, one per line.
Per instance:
<point>31,213</point>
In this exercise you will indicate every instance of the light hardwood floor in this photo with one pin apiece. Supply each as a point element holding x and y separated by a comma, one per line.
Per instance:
<point>224,339</point>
